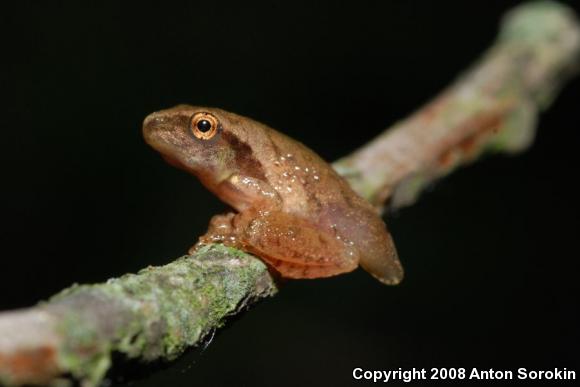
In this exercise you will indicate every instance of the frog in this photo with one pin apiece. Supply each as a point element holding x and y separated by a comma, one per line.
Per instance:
<point>290,208</point>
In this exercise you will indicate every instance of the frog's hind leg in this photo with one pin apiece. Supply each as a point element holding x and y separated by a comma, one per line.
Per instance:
<point>295,247</point>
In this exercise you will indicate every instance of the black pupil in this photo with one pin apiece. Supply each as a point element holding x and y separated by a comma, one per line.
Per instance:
<point>203,125</point>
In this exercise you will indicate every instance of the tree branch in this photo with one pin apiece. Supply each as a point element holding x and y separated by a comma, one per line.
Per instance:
<point>492,107</point>
<point>160,311</point>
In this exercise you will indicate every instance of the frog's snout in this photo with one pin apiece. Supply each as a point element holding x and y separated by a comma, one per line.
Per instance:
<point>153,126</point>
<point>163,132</point>
<point>151,119</point>
<point>152,122</point>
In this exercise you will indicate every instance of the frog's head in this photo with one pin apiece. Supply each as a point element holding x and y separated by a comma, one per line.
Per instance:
<point>207,142</point>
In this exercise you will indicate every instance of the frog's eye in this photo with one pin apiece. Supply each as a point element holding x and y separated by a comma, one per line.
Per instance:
<point>204,125</point>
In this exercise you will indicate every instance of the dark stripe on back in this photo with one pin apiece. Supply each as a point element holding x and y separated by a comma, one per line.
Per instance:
<point>245,156</point>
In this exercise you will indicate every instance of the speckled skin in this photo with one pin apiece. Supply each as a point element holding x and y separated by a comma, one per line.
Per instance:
<point>292,209</point>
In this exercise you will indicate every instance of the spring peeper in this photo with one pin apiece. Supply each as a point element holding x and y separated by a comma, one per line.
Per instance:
<point>291,208</point>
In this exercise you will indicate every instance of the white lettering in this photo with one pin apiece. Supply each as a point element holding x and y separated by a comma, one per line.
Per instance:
<point>490,374</point>
<point>555,374</point>
<point>390,375</point>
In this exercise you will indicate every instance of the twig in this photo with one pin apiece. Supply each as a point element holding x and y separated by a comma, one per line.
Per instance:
<point>160,311</point>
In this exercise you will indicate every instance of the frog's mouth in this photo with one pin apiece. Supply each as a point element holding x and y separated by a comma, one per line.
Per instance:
<point>157,134</point>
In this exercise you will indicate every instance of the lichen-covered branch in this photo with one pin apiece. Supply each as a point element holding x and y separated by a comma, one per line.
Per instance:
<point>160,311</point>
<point>154,314</point>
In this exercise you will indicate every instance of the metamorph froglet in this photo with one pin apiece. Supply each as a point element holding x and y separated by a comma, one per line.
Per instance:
<point>291,208</point>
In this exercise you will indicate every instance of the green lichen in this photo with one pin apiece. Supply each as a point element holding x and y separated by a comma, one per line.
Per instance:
<point>157,313</point>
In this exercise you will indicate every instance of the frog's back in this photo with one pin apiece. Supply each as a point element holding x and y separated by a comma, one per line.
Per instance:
<point>299,172</point>
<point>309,186</point>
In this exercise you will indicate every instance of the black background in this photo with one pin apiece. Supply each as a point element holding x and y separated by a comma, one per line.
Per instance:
<point>490,253</point>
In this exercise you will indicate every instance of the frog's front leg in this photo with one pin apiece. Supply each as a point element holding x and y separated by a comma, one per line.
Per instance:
<point>241,192</point>
<point>221,230</point>
<point>226,229</point>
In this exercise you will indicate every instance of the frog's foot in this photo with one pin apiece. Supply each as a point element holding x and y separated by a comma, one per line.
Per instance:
<point>293,246</point>
<point>221,230</point>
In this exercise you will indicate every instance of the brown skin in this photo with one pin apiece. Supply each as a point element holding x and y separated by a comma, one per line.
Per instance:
<point>293,210</point>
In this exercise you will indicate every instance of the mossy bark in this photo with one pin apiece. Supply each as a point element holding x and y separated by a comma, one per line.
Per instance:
<point>154,314</point>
